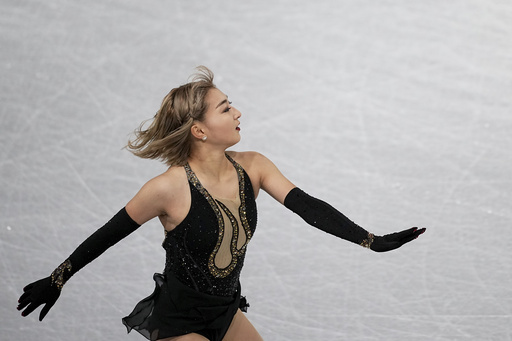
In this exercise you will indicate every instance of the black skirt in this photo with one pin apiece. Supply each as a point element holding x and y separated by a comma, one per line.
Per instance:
<point>175,309</point>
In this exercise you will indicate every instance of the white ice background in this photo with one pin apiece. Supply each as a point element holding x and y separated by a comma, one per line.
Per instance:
<point>396,112</point>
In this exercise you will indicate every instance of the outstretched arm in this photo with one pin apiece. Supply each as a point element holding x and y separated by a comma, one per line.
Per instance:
<point>325,217</point>
<point>46,291</point>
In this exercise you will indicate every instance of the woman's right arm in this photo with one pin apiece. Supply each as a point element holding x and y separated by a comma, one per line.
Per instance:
<point>150,201</point>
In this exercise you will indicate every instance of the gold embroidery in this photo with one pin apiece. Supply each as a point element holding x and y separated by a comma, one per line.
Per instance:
<point>368,241</point>
<point>57,275</point>
<point>215,204</point>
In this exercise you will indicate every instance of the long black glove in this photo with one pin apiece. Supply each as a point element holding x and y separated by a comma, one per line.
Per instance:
<point>47,290</point>
<point>326,218</point>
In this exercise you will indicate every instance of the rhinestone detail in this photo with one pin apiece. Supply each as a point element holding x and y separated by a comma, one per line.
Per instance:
<point>59,273</point>
<point>216,206</point>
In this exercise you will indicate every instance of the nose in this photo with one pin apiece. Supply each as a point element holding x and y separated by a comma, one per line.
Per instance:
<point>238,114</point>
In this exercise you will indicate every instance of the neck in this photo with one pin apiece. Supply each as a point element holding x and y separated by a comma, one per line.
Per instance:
<point>211,163</point>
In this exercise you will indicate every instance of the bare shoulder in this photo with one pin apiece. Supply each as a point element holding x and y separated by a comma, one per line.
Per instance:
<point>159,195</point>
<point>264,174</point>
<point>174,176</point>
<point>168,182</point>
<point>250,160</point>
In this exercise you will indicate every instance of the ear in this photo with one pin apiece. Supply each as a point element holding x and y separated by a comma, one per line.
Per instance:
<point>197,131</point>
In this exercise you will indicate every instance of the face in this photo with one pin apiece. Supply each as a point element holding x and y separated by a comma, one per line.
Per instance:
<point>221,123</point>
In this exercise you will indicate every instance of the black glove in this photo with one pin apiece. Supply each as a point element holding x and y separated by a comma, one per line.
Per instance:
<point>47,290</point>
<point>37,293</point>
<point>326,218</point>
<point>395,240</point>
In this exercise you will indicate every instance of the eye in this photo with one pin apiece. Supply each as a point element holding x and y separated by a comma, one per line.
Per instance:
<point>228,107</point>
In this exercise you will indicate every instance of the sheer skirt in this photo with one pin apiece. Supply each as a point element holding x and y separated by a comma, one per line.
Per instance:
<point>175,309</point>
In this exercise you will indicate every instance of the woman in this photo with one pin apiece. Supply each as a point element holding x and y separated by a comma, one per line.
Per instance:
<point>206,204</point>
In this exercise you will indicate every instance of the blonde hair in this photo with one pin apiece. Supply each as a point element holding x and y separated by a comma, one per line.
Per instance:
<point>168,137</point>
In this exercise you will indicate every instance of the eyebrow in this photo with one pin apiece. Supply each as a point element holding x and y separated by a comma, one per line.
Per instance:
<point>223,102</point>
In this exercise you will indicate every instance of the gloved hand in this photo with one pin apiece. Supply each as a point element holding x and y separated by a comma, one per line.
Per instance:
<point>47,290</point>
<point>393,241</point>
<point>40,292</point>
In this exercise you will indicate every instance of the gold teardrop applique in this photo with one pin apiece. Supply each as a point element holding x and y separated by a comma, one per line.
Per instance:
<point>232,241</point>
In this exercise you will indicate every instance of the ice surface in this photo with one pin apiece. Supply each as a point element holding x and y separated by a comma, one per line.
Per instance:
<point>396,112</point>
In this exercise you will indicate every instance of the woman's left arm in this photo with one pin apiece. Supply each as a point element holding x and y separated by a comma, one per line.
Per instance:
<point>322,215</point>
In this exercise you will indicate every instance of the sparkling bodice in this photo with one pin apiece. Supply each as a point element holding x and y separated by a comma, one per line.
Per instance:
<point>206,250</point>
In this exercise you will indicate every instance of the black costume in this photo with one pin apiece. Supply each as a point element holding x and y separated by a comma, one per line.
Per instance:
<point>200,291</point>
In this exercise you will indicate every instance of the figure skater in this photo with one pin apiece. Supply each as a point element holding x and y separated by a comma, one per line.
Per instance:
<point>205,201</point>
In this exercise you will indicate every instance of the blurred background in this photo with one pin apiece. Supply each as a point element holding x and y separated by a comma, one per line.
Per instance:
<point>398,113</point>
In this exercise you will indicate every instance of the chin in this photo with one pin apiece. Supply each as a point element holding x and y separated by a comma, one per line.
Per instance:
<point>233,143</point>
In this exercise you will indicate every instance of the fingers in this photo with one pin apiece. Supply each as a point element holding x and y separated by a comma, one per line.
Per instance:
<point>413,232</point>
<point>420,231</point>
<point>404,233</point>
<point>416,233</point>
<point>30,309</point>
<point>23,303</point>
<point>45,310</point>
<point>24,299</point>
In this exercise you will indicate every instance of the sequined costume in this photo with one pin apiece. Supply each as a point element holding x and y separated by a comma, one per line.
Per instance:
<point>199,291</point>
